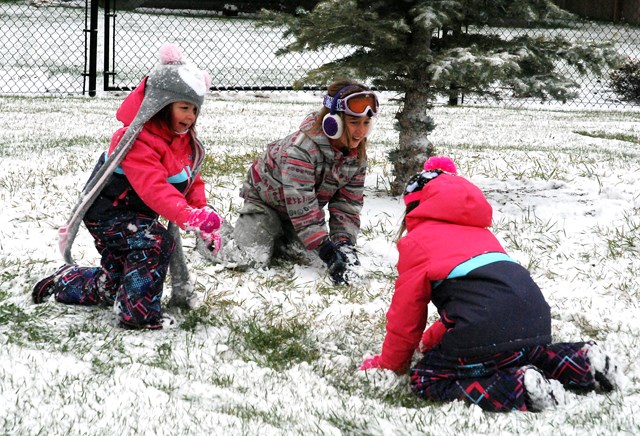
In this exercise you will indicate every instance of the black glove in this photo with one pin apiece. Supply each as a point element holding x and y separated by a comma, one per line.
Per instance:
<point>350,251</point>
<point>336,261</point>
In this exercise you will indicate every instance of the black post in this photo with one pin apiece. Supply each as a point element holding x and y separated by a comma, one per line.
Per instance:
<point>107,44</point>
<point>93,48</point>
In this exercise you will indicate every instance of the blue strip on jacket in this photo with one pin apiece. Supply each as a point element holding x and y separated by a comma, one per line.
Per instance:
<point>476,262</point>
<point>181,177</point>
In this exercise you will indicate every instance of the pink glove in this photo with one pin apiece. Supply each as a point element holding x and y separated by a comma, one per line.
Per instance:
<point>204,220</point>
<point>213,241</point>
<point>371,363</point>
<point>207,223</point>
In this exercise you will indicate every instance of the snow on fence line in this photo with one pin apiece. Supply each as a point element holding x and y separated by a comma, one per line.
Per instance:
<point>44,50</point>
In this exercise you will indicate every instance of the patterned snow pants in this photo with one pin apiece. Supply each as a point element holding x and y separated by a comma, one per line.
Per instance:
<point>496,382</point>
<point>135,252</point>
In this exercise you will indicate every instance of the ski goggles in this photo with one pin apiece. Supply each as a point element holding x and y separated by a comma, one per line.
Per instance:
<point>358,104</point>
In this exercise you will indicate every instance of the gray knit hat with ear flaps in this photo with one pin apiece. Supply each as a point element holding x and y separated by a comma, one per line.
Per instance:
<point>173,79</point>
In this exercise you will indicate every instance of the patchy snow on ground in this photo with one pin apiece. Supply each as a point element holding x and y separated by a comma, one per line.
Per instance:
<point>277,351</point>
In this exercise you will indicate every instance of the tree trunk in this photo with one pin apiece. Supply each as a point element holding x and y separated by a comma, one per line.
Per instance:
<point>414,148</point>
<point>452,32</point>
<point>414,123</point>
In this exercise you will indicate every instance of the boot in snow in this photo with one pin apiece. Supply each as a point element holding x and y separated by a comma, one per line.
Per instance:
<point>605,370</point>
<point>540,392</point>
<point>46,287</point>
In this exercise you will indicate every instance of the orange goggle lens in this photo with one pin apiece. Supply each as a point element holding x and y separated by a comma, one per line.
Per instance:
<point>361,104</point>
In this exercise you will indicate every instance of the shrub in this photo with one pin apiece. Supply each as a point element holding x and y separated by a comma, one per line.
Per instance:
<point>626,80</point>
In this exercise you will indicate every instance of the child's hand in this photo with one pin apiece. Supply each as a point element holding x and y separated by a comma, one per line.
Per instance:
<point>349,251</point>
<point>432,336</point>
<point>371,363</point>
<point>204,220</point>
<point>212,241</point>
<point>336,261</point>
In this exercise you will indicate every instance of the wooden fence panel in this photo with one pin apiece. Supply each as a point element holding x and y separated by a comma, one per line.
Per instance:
<point>626,11</point>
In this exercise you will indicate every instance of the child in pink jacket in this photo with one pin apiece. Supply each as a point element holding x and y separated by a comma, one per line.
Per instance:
<point>492,343</point>
<point>159,176</point>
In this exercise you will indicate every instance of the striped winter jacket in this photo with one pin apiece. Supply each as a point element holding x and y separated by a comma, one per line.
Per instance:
<point>301,174</point>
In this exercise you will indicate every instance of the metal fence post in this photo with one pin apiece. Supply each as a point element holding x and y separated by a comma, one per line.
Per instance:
<point>93,47</point>
<point>108,73</point>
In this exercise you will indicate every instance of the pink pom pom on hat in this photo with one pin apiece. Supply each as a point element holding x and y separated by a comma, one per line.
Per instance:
<point>442,163</point>
<point>432,169</point>
<point>170,54</point>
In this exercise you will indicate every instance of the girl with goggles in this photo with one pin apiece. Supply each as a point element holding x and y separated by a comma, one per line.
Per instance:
<point>319,167</point>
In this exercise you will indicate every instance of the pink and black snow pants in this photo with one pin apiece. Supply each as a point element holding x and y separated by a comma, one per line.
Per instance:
<point>135,251</point>
<point>496,382</point>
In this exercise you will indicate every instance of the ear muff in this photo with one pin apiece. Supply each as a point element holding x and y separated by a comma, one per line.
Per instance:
<point>332,124</point>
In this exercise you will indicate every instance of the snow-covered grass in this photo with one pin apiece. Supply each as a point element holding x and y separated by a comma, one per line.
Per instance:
<point>276,351</point>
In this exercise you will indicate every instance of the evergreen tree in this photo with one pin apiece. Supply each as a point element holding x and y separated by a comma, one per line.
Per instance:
<point>427,48</point>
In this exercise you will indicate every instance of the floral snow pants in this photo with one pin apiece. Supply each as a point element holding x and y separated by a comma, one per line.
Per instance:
<point>496,382</point>
<point>135,251</point>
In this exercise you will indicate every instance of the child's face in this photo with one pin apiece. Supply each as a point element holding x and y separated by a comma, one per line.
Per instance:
<point>183,115</point>
<point>357,128</point>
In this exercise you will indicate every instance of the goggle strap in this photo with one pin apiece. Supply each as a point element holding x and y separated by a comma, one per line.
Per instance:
<point>327,101</point>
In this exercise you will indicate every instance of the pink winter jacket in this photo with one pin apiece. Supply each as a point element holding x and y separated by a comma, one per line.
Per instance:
<point>445,230</point>
<point>159,166</point>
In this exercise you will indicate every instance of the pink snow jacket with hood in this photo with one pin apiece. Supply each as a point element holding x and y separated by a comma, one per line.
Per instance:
<point>156,172</point>
<point>487,302</point>
<point>301,174</point>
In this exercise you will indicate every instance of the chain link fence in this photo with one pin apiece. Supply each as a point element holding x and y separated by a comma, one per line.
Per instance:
<point>46,49</point>
<point>43,48</point>
<point>239,55</point>
<point>594,90</point>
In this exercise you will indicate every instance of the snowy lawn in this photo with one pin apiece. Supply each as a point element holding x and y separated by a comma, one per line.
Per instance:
<point>276,351</point>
